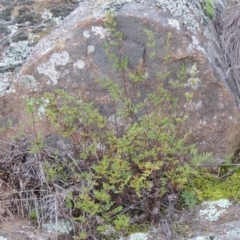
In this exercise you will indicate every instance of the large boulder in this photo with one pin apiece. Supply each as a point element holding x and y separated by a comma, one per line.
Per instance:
<point>72,56</point>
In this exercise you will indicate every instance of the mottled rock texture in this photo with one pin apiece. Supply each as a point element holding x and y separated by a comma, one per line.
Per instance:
<point>72,57</point>
<point>22,24</point>
<point>21,229</point>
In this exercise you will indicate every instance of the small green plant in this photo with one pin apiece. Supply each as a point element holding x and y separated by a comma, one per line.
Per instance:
<point>151,42</point>
<point>169,37</point>
<point>68,113</point>
<point>33,215</point>
<point>37,143</point>
<point>167,58</point>
<point>190,198</point>
<point>181,72</point>
<point>163,75</point>
<point>209,8</point>
<point>127,166</point>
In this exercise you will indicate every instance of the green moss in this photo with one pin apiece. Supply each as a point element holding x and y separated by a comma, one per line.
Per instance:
<point>211,187</point>
<point>137,227</point>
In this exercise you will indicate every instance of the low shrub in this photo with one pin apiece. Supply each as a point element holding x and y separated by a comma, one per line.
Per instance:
<point>129,166</point>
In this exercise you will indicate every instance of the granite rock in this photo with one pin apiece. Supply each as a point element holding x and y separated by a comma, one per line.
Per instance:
<point>72,56</point>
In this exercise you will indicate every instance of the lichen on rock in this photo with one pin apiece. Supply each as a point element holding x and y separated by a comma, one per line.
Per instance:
<point>182,9</point>
<point>214,209</point>
<point>14,55</point>
<point>48,68</point>
<point>187,11</point>
<point>137,236</point>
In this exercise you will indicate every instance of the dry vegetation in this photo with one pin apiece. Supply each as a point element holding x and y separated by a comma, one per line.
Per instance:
<point>230,41</point>
<point>24,188</point>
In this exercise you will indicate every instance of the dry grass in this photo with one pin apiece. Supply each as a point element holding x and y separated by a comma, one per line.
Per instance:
<point>230,41</point>
<point>24,188</point>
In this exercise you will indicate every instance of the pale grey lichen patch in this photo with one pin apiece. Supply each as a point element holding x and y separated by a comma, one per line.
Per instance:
<point>79,64</point>
<point>99,31</point>
<point>195,45</point>
<point>199,105</point>
<point>15,55</point>
<point>86,34</point>
<point>45,46</point>
<point>5,84</point>
<point>206,238</point>
<point>47,15</point>
<point>214,209</point>
<point>181,9</point>
<point>29,82</point>
<point>174,23</point>
<point>60,226</point>
<point>90,49</point>
<point>113,5</point>
<point>234,232</point>
<point>3,238</point>
<point>13,29</point>
<point>48,68</point>
<point>137,236</point>
<point>185,10</point>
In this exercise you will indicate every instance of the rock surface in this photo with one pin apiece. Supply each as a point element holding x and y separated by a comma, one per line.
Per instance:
<point>21,229</point>
<point>40,51</point>
<point>72,57</point>
<point>22,24</point>
<point>210,221</point>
